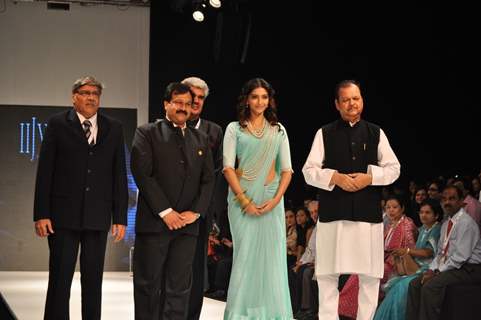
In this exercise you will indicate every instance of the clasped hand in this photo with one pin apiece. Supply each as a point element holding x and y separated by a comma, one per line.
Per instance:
<point>399,252</point>
<point>175,220</point>
<point>257,210</point>
<point>353,182</point>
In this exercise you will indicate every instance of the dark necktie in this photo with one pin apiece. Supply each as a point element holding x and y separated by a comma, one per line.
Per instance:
<point>192,123</point>
<point>87,125</point>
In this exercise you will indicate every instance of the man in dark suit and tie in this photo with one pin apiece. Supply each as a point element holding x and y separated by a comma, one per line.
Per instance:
<point>218,202</point>
<point>173,168</point>
<point>81,188</point>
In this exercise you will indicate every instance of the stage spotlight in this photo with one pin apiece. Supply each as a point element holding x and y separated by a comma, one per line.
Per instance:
<point>198,15</point>
<point>215,3</point>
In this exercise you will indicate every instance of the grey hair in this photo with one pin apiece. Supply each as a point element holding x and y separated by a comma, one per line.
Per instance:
<point>88,80</point>
<point>198,83</point>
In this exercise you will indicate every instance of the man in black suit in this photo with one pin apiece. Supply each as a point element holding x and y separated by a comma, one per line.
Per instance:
<point>172,166</point>
<point>214,133</point>
<point>81,189</point>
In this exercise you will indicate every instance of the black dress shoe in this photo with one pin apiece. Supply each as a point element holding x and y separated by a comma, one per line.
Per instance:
<point>306,315</point>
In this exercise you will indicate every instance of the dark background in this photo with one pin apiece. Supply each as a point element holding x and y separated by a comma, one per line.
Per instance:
<point>419,68</point>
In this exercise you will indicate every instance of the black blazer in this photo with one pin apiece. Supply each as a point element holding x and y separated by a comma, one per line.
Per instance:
<point>80,186</point>
<point>219,196</point>
<point>171,171</point>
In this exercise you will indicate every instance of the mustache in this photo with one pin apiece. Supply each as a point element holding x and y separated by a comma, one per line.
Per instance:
<point>181,111</point>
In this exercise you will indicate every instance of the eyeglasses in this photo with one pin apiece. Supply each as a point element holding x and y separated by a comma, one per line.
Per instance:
<point>179,104</point>
<point>86,93</point>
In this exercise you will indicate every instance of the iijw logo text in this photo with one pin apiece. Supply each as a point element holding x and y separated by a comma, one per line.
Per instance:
<point>31,136</point>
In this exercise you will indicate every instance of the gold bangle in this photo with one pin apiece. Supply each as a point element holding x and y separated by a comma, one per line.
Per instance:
<point>245,202</point>
<point>240,194</point>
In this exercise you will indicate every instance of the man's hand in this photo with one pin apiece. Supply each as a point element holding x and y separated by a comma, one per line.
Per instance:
<point>226,242</point>
<point>118,231</point>
<point>43,227</point>
<point>174,220</point>
<point>427,275</point>
<point>361,180</point>
<point>297,266</point>
<point>344,181</point>
<point>189,217</point>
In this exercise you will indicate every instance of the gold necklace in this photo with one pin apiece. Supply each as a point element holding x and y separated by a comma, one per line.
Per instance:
<point>253,166</point>
<point>258,133</point>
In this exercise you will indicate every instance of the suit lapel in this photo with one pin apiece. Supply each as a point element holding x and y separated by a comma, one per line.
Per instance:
<point>103,128</point>
<point>189,146</point>
<point>74,123</point>
<point>203,126</point>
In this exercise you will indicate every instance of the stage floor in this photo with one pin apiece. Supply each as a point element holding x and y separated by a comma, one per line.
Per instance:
<point>25,294</point>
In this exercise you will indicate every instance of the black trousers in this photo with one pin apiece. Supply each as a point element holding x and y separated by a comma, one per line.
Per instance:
<point>198,273</point>
<point>162,260</point>
<point>425,301</point>
<point>64,246</point>
<point>222,273</point>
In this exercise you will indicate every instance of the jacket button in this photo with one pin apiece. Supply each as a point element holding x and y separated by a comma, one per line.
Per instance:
<point>89,171</point>
<point>91,153</point>
<point>353,143</point>
<point>87,189</point>
<point>353,158</point>
<point>181,161</point>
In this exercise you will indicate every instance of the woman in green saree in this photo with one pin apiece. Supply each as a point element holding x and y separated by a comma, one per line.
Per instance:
<point>259,146</point>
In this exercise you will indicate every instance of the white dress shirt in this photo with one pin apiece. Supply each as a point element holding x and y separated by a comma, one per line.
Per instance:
<point>93,128</point>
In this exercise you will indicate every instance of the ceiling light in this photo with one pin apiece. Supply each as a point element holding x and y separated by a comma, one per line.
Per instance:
<point>215,3</point>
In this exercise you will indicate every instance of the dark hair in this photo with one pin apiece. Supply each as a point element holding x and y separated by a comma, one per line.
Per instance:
<point>243,111</point>
<point>419,188</point>
<point>438,184</point>
<point>175,88</point>
<point>458,191</point>
<point>434,205</point>
<point>344,84</point>
<point>306,212</point>
<point>397,198</point>
<point>467,186</point>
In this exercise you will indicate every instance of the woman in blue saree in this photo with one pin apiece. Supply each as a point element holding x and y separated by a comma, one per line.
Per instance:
<point>393,307</point>
<point>259,146</point>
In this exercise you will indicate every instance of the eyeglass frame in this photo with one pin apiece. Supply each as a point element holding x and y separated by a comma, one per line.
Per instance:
<point>177,104</point>
<point>86,93</point>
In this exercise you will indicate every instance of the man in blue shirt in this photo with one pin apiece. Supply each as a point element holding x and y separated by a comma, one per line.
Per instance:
<point>457,261</point>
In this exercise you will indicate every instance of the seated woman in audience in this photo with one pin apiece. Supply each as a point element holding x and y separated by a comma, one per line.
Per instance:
<point>313,208</point>
<point>413,211</point>
<point>394,304</point>
<point>303,222</point>
<point>434,190</point>
<point>291,238</point>
<point>399,233</point>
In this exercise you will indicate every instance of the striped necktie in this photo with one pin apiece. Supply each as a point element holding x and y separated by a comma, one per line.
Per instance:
<point>86,126</point>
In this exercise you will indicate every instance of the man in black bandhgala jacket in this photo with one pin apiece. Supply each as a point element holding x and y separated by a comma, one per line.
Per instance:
<point>173,168</point>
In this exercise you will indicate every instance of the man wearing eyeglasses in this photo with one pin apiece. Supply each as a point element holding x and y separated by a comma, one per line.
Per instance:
<point>173,168</point>
<point>200,90</point>
<point>81,188</point>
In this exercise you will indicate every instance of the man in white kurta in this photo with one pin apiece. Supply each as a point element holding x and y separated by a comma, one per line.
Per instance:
<point>349,245</point>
